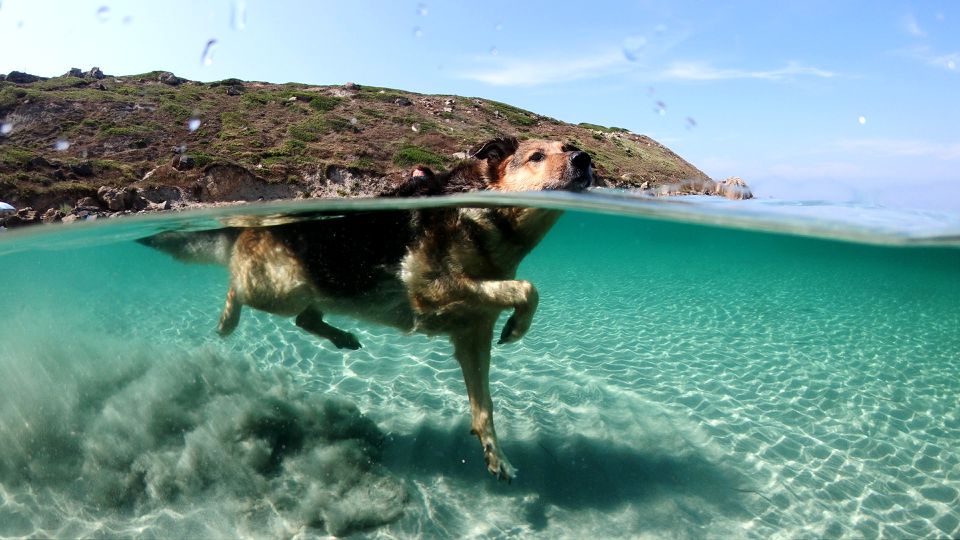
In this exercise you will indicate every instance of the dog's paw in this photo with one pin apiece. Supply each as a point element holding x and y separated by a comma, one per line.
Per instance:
<point>498,465</point>
<point>346,340</point>
<point>513,330</point>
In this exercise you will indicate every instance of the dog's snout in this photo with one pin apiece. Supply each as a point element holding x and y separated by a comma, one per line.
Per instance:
<point>580,160</point>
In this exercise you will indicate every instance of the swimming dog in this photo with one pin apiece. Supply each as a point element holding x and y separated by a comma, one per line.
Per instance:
<point>438,271</point>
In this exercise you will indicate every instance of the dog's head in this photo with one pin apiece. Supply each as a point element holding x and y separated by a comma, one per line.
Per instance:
<point>535,165</point>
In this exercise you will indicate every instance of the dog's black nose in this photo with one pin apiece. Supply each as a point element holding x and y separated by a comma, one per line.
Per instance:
<point>580,160</point>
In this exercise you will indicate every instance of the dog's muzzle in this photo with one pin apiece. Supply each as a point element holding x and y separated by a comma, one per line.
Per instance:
<point>582,171</point>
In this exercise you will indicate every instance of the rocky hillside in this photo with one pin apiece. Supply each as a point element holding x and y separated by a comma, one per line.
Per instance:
<point>154,140</point>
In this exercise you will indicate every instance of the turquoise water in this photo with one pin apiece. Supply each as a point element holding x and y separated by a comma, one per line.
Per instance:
<point>696,369</point>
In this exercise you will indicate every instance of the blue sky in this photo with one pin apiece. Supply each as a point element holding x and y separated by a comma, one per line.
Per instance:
<point>805,100</point>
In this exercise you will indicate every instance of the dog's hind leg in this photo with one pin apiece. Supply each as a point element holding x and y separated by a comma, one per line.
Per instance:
<point>311,320</point>
<point>471,347</point>
<point>231,313</point>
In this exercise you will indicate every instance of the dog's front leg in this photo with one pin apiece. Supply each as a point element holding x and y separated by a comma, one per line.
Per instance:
<point>520,295</point>
<point>471,347</point>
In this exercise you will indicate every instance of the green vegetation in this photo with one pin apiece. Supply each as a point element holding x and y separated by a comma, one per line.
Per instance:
<point>310,130</point>
<point>15,157</point>
<point>514,115</point>
<point>60,83</point>
<point>325,103</point>
<point>597,127</point>
<point>409,155</point>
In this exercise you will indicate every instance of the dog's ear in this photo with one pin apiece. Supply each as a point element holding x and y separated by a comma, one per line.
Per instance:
<point>495,149</point>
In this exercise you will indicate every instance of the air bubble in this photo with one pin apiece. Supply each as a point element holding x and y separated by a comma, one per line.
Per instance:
<point>633,47</point>
<point>862,120</point>
<point>193,124</point>
<point>208,52</point>
<point>61,145</point>
<point>422,9</point>
<point>238,15</point>
<point>103,14</point>
<point>661,108</point>
<point>417,32</point>
<point>6,128</point>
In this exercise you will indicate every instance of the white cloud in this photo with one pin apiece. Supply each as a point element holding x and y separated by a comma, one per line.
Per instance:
<point>535,72</point>
<point>911,26</point>
<point>923,53</point>
<point>693,71</point>
<point>507,71</point>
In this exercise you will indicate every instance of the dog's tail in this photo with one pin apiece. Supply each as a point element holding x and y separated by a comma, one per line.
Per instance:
<point>201,247</point>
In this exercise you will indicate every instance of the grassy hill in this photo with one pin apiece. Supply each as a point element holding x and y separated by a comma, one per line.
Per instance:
<point>68,136</point>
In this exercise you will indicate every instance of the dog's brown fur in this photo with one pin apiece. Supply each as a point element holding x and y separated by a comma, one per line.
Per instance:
<point>447,271</point>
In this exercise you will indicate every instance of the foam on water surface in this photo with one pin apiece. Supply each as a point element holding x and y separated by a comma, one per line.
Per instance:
<point>680,380</point>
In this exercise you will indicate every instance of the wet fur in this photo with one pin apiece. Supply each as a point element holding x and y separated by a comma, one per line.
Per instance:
<point>448,271</point>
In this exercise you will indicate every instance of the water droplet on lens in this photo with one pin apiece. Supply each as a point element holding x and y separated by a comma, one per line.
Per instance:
<point>494,51</point>
<point>862,120</point>
<point>6,128</point>
<point>208,52</point>
<point>691,123</point>
<point>103,14</point>
<point>61,145</point>
<point>417,32</point>
<point>633,47</point>
<point>127,19</point>
<point>661,108</point>
<point>193,124</point>
<point>238,15</point>
<point>498,27</point>
<point>422,9</point>
<point>951,64</point>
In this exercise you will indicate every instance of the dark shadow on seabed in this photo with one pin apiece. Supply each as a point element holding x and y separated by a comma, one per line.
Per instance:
<point>573,472</point>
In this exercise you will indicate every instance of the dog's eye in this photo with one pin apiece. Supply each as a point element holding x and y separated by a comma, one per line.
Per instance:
<point>537,156</point>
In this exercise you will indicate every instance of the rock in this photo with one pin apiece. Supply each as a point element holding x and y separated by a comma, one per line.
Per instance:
<point>161,194</point>
<point>6,209</point>
<point>183,162</point>
<point>117,199</point>
<point>226,182</point>
<point>733,188</point>
<point>645,185</point>
<point>20,77</point>
<point>460,155</point>
<point>74,72</point>
<point>353,87</point>
<point>89,203</point>
<point>52,215</point>
<point>169,78</point>
<point>234,90</point>
<point>84,168</point>
<point>402,101</point>
<point>94,73</point>
<point>2,77</point>
<point>37,162</point>
<point>24,216</point>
